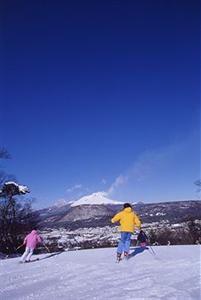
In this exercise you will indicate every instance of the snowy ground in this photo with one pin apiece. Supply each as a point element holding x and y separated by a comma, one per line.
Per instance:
<point>174,273</point>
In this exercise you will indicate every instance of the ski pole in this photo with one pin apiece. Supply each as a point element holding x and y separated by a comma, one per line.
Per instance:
<point>19,246</point>
<point>149,244</point>
<point>46,248</point>
<point>152,250</point>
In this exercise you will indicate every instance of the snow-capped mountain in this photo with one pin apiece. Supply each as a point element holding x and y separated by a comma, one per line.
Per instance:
<point>99,198</point>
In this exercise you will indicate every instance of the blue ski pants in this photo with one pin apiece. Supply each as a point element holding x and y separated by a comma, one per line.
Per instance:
<point>124,242</point>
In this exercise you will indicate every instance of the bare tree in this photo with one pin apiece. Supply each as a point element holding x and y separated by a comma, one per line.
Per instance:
<point>12,214</point>
<point>14,225</point>
<point>16,215</point>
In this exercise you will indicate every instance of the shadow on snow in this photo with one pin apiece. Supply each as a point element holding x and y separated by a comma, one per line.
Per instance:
<point>137,251</point>
<point>47,256</point>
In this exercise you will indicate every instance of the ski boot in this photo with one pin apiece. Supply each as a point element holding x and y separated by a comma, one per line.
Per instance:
<point>119,257</point>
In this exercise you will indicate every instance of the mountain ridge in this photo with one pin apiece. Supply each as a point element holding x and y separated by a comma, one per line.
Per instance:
<point>92,214</point>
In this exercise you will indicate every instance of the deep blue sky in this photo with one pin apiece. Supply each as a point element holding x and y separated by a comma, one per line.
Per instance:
<point>93,89</point>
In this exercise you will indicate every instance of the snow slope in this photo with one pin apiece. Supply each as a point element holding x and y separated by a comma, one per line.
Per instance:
<point>95,198</point>
<point>174,273</point>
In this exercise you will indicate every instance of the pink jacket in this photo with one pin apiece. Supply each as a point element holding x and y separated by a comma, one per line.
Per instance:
<point>32,239</point>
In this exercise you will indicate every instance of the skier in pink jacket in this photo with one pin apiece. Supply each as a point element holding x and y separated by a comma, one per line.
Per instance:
<point>31,241</point>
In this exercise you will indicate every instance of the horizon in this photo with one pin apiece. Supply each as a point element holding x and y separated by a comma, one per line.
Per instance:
<point>101,96</point>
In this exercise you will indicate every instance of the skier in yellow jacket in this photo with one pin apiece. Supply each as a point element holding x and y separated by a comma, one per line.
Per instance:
<point>129,222</point>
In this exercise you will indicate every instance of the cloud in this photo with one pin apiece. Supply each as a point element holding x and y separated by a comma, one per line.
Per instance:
<point>120,180</point>
<point>164,173</point>
<point>74,188</point>
<point>139,170</point>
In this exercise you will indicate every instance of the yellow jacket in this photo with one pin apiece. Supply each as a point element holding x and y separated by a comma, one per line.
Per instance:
<point>128,220</point>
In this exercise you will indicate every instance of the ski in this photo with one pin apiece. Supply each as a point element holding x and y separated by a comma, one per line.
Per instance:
<point>27,262</point>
